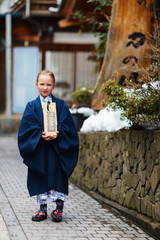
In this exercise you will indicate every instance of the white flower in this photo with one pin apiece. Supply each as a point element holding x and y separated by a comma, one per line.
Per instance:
<point>145,86</point>
<point>155,85</point>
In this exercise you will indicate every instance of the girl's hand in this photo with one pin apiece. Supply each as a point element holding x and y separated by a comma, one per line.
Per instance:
<point>49,137</point>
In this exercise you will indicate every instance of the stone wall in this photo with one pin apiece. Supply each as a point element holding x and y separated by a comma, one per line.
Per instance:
<point>123,166</point>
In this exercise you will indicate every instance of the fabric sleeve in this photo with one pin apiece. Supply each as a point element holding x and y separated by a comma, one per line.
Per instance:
<point>29,132</point>
<point>68,141</point>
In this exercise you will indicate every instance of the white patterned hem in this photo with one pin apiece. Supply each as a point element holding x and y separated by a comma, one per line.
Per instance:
<point>50,196</point>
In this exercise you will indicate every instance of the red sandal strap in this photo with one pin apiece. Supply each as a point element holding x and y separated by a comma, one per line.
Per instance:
<point>38,213</point>
<point>42,214</point>
<point>58,213</point>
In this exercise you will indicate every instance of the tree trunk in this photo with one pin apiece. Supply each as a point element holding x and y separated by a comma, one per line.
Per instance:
<point>128,34</point>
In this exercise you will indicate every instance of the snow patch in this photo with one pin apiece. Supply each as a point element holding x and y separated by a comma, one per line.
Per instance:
<point>105,120</point>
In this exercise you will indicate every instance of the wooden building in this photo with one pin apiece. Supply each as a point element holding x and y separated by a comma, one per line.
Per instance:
<point>45,37</point>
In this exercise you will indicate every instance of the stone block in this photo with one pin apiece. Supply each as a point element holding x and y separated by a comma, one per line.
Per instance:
<point>142,194</point>
<point>153,211</point>
<point>134,138</point>
<point>149,209</point>
<point>132,180</point>
<point>155,177</point>
<point>135,166</point>
<point>121,199</point>
<point>152,197</point>
<point>157,194</point>
<point>112,181</point>
<point>138,189</point>
<point>149,161</point>
<point>157,211</point>
<point>128,198</point>
<point>147,187</point>
<point>142,176</point>
<point>148,143</point>
<point>143,164</point>
<point>127,136</point>
<point>115,193</point>
<point>138,203</point>
<point>157,159</point>
<point>144,203</point>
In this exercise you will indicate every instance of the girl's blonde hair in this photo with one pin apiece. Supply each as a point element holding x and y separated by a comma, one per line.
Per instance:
<point>46,72</point>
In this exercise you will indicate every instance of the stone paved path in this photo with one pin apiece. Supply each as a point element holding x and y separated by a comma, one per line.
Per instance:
<point>84,218</point>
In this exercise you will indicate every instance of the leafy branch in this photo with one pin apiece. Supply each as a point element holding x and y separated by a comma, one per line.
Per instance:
<point>98,22</point>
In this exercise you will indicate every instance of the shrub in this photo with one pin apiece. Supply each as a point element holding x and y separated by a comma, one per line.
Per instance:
<point>140,103</point>
<point>83,96</point>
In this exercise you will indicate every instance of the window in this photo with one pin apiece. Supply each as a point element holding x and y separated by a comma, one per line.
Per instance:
<point>71,69</point>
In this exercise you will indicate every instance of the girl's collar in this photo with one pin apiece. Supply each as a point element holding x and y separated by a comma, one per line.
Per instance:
<point>48,98</point>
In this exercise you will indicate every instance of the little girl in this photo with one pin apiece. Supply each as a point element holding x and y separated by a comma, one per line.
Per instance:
<point>50,159</point>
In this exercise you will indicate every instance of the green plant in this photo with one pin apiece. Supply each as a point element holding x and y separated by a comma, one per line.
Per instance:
<point>139,104</point>
<point>98,23</point>
<point>83,96</point>
<point>100,4</point>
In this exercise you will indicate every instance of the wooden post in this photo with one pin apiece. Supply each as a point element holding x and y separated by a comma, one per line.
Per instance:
<point>129,29</point>
<point>8,64</point>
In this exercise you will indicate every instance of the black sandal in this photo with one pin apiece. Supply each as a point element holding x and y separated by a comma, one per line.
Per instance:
<point>57,216</point>
<point>39,216</point>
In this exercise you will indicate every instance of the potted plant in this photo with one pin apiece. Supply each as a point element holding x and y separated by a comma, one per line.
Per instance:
<point>82,97</point>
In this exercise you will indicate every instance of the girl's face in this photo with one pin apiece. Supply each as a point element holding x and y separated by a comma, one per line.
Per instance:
<point>45,85</point>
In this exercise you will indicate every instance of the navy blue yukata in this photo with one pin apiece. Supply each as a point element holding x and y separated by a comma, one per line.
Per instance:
<point>50,163</point>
